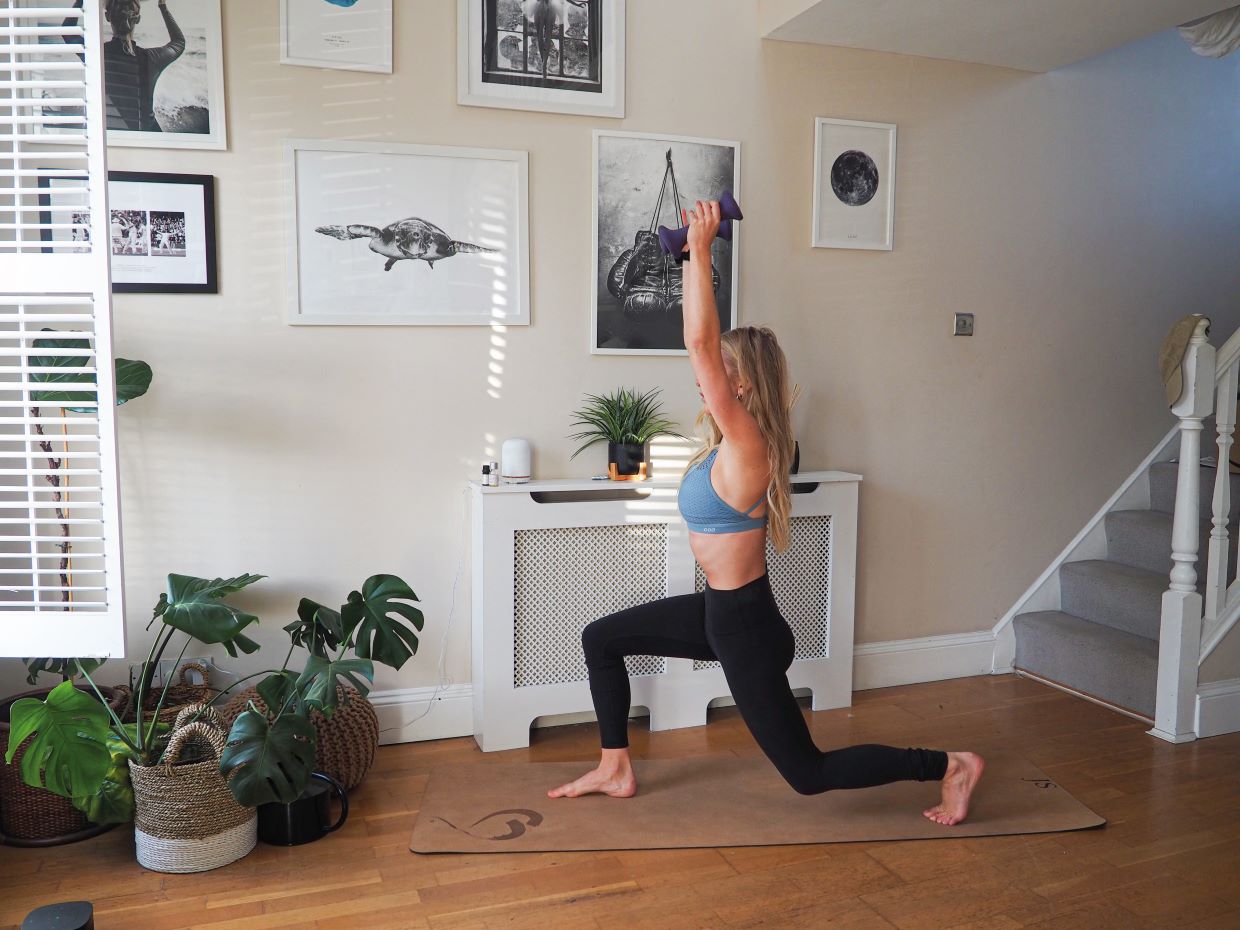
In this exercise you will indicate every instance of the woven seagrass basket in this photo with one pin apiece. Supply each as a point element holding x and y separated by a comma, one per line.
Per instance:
<point>345,742</point>
<point>186,819</point>
<point>183,693</point>
<point>35,816</point>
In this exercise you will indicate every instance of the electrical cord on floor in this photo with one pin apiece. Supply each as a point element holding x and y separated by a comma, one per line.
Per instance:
<point>444,680</point>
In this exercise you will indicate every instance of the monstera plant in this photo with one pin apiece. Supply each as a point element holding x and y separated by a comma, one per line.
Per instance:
<point>270,751</point>
<point>80,748</point>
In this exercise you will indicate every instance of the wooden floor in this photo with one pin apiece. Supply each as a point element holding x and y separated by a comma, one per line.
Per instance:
<point>1169,857</point>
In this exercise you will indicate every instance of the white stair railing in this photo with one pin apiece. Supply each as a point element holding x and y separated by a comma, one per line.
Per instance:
<point>1193,628</point>
<point>1222,607</point>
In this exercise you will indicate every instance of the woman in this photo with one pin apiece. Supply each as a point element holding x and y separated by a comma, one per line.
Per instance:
<point>131,71</point>
<point>742,379</point>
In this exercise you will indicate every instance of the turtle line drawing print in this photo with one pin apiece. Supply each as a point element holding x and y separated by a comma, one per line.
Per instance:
<point>411,238</point>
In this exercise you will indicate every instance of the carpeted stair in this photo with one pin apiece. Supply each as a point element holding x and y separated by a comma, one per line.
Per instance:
<point>1103,640</point>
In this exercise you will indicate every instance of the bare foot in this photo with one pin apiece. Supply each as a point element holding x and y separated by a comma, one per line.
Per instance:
<point>621,783</point>
<point>964,770</point>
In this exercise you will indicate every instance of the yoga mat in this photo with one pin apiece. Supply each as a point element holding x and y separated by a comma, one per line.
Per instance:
<point>717,801</point>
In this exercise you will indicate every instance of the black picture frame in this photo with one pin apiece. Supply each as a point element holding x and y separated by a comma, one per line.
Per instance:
<point>206,235</point>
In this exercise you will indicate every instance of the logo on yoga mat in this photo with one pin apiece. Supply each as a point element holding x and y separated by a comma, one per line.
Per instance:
<point>1042,782</point>
<point>516,826</point>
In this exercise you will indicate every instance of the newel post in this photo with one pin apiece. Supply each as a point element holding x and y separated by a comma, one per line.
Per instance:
<point>1179,643</point>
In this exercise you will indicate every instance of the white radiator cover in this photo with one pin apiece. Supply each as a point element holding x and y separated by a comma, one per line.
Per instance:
<point>549,557</point>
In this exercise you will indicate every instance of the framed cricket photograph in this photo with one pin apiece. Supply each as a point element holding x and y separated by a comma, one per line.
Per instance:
<point>401,234</point>
<point>557,56</point>
<point>161,229</point>
<point>348,35</point>
<point>163,75</point>
<point>641,182</point>
<point>854,184</point>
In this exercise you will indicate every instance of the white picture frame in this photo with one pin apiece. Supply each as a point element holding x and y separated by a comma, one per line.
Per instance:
<point>590,84</point>
<point>350,205</point>
<point>629,178</point>
<point>320,34</point>
<point>187,108</point>
<point>184,83</point>
<point>854,184</point>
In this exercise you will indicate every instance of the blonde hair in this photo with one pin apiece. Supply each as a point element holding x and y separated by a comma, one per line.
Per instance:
<point>754,354</point>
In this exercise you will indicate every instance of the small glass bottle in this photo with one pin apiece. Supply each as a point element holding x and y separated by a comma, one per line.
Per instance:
<point>486,474</point>
<point>494,479</point>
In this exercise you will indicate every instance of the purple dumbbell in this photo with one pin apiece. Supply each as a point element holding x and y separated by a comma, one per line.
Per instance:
<point>675,240</point>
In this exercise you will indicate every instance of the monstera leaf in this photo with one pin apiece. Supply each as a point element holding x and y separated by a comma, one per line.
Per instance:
<point>113,802</point>
<point>267,762</point>
<point>376,619</point>
<point>193,606</point>
<point>69,754</point>
<point>66,668</point>
<point>132,378</point>
<point>318,628</point>
<point>317,683</point>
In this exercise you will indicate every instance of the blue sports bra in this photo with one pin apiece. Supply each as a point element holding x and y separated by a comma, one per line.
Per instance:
<point>704,510</point>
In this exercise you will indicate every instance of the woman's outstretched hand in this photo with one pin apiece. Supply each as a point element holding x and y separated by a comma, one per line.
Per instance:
<point>703,222</point>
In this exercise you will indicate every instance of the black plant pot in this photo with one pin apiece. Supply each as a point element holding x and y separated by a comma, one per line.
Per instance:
<point>308,818</point>
<point>626,461</point>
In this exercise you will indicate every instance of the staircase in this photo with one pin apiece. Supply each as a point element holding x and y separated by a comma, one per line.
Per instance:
<point>1103,639</point>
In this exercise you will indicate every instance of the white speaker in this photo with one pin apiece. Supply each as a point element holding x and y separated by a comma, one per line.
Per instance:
<point>514,458</point>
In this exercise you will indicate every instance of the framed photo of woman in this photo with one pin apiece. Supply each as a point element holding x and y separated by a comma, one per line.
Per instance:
<point>163,73</point>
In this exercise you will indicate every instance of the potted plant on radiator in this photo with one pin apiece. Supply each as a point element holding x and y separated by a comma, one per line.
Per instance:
<point>626,421</point>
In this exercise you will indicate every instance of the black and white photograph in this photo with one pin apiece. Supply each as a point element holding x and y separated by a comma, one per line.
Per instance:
<point>168,233</point>
<point>558,56</point>
<point>129,232</point>
<point>395,234</point>
<point>163,74</point>
<point>854,184</point>
<point>346,35</point>
<point>642,182</point>
<point>161,230</point>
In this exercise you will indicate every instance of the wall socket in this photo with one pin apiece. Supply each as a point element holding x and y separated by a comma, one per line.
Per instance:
<point>963,325</point>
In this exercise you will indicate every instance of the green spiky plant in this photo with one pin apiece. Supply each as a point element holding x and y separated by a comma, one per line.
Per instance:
<point>623,416</point>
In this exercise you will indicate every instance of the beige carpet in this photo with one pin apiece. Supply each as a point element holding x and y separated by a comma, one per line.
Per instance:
<point>717,801</point>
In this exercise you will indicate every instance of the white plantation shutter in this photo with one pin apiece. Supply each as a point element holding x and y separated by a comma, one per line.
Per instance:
<point>60,551</point>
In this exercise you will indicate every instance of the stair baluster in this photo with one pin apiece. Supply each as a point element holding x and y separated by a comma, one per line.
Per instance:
<point>1180,634</point>
<point>1220,541</point>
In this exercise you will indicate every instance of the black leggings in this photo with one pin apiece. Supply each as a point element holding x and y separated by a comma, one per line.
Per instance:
<point>742,629</point>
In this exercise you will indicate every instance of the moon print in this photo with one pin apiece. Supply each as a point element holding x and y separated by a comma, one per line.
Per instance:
<point>854,178</point>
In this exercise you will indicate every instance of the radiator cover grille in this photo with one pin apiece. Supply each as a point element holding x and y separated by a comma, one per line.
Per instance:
<point>564,578</point>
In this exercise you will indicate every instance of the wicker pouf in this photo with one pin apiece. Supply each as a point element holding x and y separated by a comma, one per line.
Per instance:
<point>345,742</point>
<point>186,819</point>
<point>35,816</point>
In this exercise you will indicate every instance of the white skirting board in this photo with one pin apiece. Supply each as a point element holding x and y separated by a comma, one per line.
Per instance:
<point>875,665</point>
<point>1218,708</point>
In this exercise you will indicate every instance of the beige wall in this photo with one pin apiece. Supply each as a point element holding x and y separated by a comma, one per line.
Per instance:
<point>1077,213</point>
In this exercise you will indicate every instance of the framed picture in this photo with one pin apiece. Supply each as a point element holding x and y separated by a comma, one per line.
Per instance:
<point>642,182</point>
<point>385,233</point>
<point>350,35</point>
<point>162,229</point>
<point>558,56</point>
<point>163,75</point>
<point>854,184</point>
